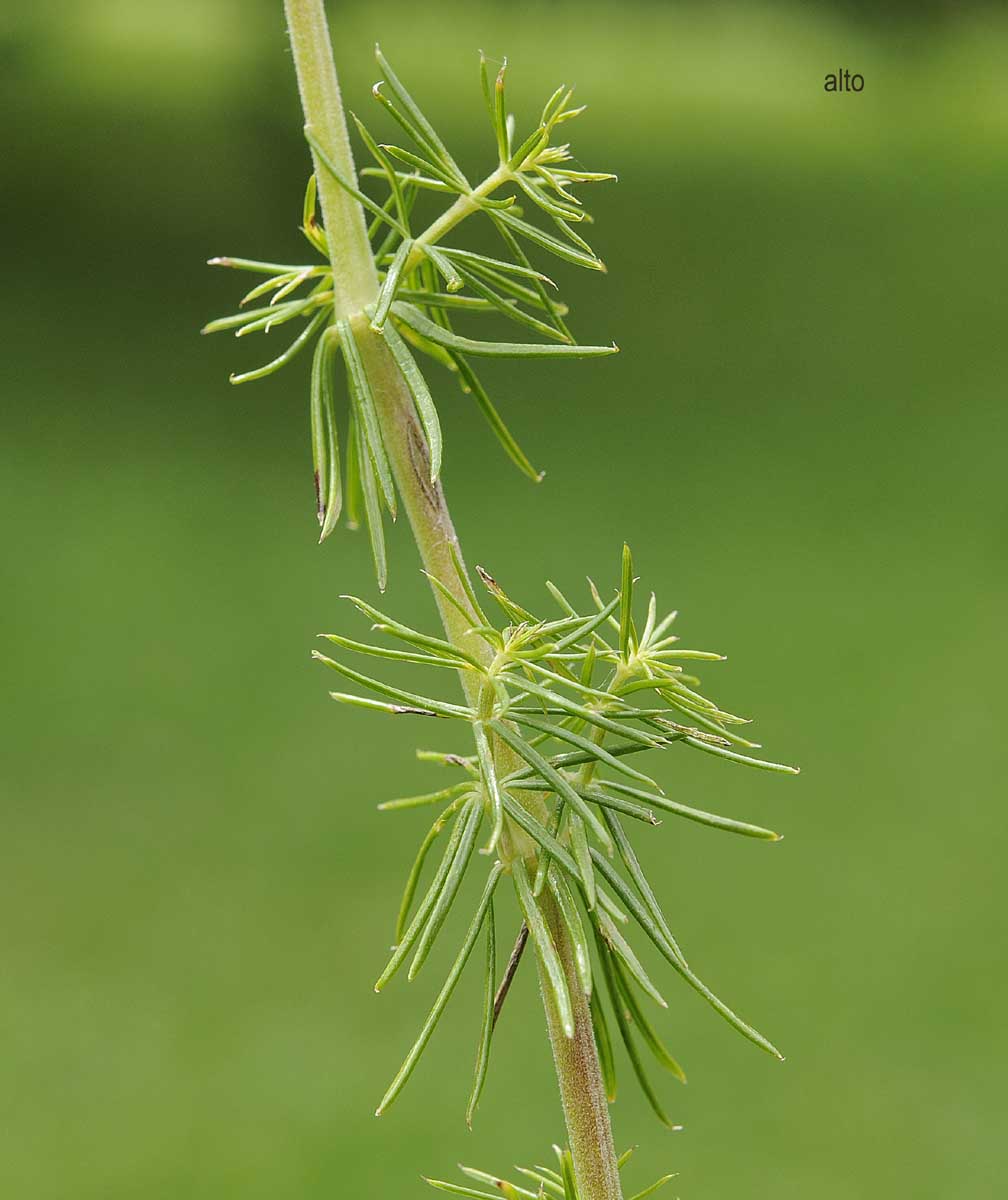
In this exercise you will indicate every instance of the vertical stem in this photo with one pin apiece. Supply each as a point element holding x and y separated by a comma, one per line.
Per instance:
<point>582,1091</point>
<point>356,282</point>
<point>355,279</point>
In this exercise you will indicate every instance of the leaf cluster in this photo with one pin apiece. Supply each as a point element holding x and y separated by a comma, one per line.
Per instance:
<point>538,1183</point>
<point>426,286</point>
<point>565,708</point>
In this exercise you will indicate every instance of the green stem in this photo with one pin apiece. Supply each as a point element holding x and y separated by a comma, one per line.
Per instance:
<point>578,1073</point>
<point>464,206</point>
<point>582,1091</point>
<point>355,278</point>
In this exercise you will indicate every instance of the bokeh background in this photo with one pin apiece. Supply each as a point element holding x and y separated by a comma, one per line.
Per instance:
<point>804,440</point>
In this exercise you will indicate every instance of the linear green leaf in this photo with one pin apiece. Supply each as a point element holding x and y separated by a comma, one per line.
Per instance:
<point>652,1187</point>
<point>572,919</point>
<point>657,936</point>
<point>427,798</point>
<point>486,1029</point>
<point>582,856</point>
<point>381,705</point>
<point>640,1019</point>
<point>692,814</point>
<point>552,967</point>
<point>427,660</point>
<point>621,949</point>
<point>732,756</point>
<point>416,926</point>
<point>626,603</point>
<point>409,891</point>
<point>539,833</point>
<point>575,739</point>
<point>549,773</point>
<point>295,348</point>
<point>387,291</point>
<point>463,345</point>
<point>453,881</point>
<point>494,419</point>
<point>365,476</point>
<point>422,398</point>
<point>638,1067</point>
<point>587,714</point>
<point>386,624</point>
<point>444,995</point>
<point>364,403</point>
<point>417,117</point>
<point>488,771</point>
<point>394,693</point>
<point>347,186</point>
<point>640,879</point>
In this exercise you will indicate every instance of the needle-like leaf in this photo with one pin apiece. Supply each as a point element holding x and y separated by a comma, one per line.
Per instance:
<point>404,1072</point>
<point>412,316</point>
<point>541,938</point>
<point>409,891</point>
<point>449,891</point>
<point>486,1029</point>
<point>421,397</point>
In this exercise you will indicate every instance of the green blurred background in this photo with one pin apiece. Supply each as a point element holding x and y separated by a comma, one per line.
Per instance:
<point>804,441</point>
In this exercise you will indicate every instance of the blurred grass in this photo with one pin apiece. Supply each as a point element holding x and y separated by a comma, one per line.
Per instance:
<point>804,440</point>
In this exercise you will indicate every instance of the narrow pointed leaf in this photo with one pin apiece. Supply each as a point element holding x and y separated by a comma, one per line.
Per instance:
<point>575,739</point>
<point>367,414</point>
<point>657,936</point>
<point>692,814</point>
<point>572,919</point>
<point>416,925</point>
<point>494,420</point>
<point>409,891</point>
<point>543,942</point>
<point>444,995</point>
<point>622,952</point>
<point>295,348</point>
<point>463,345</point>
<point>394,693</point>
<point>732,756</point>
<point>549,773</point>
<point>486,1030</point>
<point>640,1019</point>
<point>348,187</point>
<point>422,801</point>
<point>638,1067</point>
<point>582,856</point>
<point>488,770</point>
<point>387,291</point>
<point>372,504</point>
<point>421,397</point>
<point>453,881</point>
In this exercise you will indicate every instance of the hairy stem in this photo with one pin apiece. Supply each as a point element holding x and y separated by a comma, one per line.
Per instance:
<point>355,281</point>
<point>582,1092</point>
<point>464,206</point>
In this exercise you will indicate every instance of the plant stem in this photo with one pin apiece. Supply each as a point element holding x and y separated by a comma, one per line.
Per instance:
<point>464,206</point>
<point>582,1091</point>
<point>355,281</point>
<point>355,278</point>
<point>579,1075</point>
